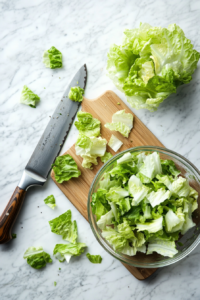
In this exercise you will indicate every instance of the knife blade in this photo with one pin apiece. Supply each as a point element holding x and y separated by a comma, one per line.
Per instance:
<point>48,148</point>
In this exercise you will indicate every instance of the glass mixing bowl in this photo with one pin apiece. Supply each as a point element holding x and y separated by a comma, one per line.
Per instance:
<point>189,241</point>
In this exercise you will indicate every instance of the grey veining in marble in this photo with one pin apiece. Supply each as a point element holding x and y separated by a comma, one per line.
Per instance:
<point>82,30</point>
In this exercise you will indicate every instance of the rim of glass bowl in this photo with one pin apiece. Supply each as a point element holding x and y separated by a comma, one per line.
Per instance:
<point>93,225</point>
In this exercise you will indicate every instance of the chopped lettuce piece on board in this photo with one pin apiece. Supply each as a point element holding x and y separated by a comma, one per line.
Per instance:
<point>115,143</point>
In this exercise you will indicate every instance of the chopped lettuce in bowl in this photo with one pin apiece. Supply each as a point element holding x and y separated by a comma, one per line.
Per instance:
<point>143,206</point>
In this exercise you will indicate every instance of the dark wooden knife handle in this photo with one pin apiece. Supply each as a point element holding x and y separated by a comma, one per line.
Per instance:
<point>10,213</point>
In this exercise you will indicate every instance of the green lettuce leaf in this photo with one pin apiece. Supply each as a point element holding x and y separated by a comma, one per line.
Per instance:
<point>90,149</point>
<point>165,248</point>
<point>99,204</point>
<point>36,257</point>
<point>152,226</point>
<point>125,230</point>
<point>180,187</point>
<point>28,97</point>
<point>76,94</point>
<point>151,166</point>
<point>114,143</point>
<point>65,168</point>
<point>95,259</point>
<point>64,226</point>
<point>106,157</point>
<point>122,117</point>
<point>50,201</point>
<point>105,220</point>
<point>155,198</point>
<point>64,252</point>
<point>169,168</point>
<point>52,58</point>
<point>115,239</point>
<point>137,190</point>
<point>119,126</point>
<point>87,125</point>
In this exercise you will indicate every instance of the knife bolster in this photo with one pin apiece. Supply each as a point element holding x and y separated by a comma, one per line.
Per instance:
<point>29,179</point>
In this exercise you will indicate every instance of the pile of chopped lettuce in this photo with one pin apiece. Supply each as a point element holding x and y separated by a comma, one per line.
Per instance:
<point>28,97</point>
<point>76,94</point>
<point>65,168</point>
<point>52,58</point>
<point>89,145</point>
<point>151,63</point>
<point>144,204</point>
<point>122,122</point>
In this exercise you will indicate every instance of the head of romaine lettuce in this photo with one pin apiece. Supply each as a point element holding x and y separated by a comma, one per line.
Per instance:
<point>151,63</point>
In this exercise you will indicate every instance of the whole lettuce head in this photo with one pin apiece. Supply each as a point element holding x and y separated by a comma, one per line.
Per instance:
<point>151,63</point>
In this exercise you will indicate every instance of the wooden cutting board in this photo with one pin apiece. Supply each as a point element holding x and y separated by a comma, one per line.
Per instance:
<point>76,189</point>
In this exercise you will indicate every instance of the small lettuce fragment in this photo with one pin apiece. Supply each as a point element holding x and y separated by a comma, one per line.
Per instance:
<point>152,226</point>
<point>28,97</point>
<point>95,259</point>
<point>105,220</point>
<point>50,201</point>
<point>125,230</point>
<point>151,166</point>
<point>165,248</point>
<point>114,143</point>
<point>126,158</point>
<point>106,157</point>
<point>89,148</point>
<point>118,126</point>
<point>137,190</point>
<point>99,204</point>
<point>174,221</point>
<point>122,122</point>
<point>87,125</point>
<point>155,198</point>
<point>180,187</point>
<point>64,252</point>
<point>122,117</point>
<point>76,94</point>
<point>52,58</point>
<point>115,239</point>
<point>64,226</point>
<point>37,258</point>
<point>65,168</point>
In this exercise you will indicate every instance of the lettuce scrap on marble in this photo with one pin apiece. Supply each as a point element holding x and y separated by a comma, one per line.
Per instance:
<point>50,201</point>
<point>76,94</point>
<point>151,64</point>
<point>95,259</point>
<point>65,168</point>
<point>28,97</point>
<point>143,204</point>
<point>52,58</point>
<point>63,225</point>
<point>36,257</point>
<point>64,252</point>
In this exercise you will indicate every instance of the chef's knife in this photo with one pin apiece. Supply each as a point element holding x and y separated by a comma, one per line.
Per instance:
<point>44,155</point>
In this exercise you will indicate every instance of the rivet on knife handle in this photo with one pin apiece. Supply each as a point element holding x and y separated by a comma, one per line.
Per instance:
<point>10,214</point>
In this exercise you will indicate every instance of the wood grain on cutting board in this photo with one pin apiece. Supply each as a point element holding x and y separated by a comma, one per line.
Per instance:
<point>76,189</point>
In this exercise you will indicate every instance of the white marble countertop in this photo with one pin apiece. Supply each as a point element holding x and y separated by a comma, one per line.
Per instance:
<point>82,31</point>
